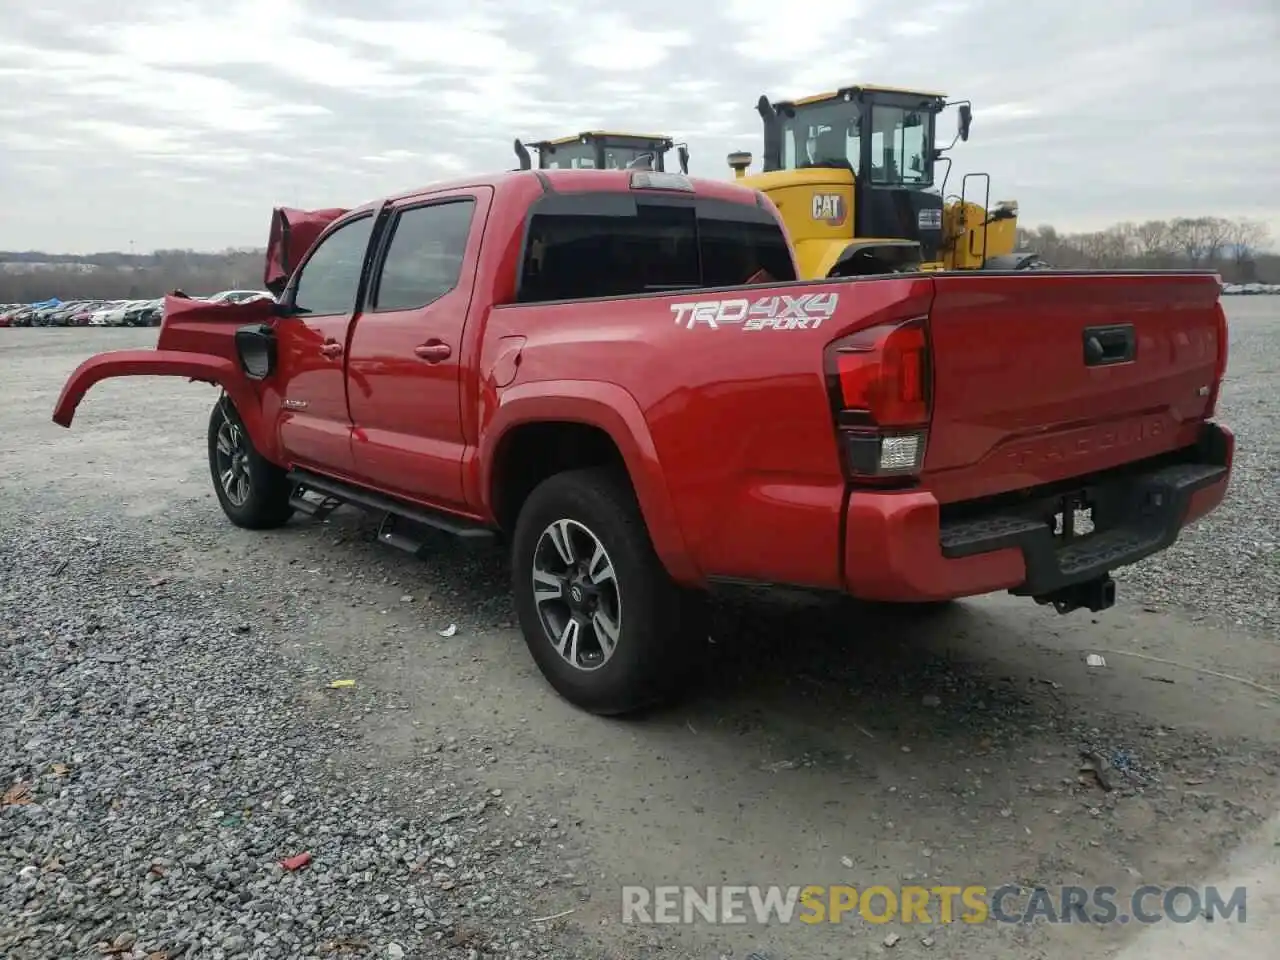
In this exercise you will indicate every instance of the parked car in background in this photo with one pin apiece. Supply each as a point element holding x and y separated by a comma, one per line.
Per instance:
<point>238,296</point>
<point>110,314</point>
<point>43,316</point>
<point>144,313</point>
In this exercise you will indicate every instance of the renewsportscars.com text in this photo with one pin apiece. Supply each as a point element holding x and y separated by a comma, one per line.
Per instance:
<point>927,905</point>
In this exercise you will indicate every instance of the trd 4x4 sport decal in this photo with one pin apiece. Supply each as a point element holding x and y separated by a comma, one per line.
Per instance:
<point>803,312</point>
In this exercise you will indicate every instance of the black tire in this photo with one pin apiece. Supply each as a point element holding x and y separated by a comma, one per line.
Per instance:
<point>266,490</point>
<point>662,627</point>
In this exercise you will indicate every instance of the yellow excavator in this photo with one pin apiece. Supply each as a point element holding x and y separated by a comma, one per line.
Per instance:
<point>853,175</point>
<point>600,150</point>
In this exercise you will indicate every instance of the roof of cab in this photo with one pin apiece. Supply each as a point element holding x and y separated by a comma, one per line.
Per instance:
<point>602,135</point>
<point>863,87</point>
<point>570,181</point>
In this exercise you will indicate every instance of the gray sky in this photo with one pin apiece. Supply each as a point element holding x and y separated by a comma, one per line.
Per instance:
<point>181,124</point>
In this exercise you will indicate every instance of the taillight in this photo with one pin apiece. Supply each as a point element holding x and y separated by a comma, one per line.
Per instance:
<point>1220,371</point>
<point>881,385</point>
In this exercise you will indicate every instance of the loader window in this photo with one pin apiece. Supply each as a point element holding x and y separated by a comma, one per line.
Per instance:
<point>826,135</point>
<point>575,156</point>
<point>901,146</point>
<point>617,158</point>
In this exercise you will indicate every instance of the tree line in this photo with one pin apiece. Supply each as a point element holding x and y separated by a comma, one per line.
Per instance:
<point>1237,249</point>
<point>32,276</point>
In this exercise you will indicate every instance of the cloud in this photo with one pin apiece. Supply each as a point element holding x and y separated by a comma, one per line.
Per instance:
<point>182,122</point>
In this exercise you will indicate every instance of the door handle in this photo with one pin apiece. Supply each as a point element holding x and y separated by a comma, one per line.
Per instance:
<point>331,349</point>
<point>433,351</point>
<point>1108,345</point>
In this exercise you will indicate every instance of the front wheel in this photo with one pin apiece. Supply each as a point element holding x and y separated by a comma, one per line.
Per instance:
<point>254,493</point>
<point>606,625</point>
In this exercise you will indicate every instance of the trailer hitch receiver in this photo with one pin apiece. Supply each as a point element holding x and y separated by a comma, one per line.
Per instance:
<point>1096,595</point>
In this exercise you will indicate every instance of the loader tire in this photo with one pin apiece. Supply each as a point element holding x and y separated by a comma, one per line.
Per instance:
<point>253,492</point>
<point>606,625</point>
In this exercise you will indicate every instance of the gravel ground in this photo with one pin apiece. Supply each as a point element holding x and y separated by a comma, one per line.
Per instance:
<point>1227,566</point>
<point>167,772</point>
<point>172,738</point>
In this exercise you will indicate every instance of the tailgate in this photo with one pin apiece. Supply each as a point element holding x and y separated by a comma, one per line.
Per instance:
<point>1039,377</point>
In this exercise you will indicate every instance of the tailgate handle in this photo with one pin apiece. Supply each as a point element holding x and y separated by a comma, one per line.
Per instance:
<point>1111,344</point>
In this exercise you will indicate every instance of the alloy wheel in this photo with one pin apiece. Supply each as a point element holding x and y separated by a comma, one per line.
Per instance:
<point>232,457</point>
<point>575,590</point>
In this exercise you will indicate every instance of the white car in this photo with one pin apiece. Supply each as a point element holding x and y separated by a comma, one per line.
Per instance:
<point>239,296</point>
<point>109,314</point>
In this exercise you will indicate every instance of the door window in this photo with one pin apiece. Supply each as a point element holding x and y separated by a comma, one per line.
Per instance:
<point>330,278</point>
<point>424,259</point>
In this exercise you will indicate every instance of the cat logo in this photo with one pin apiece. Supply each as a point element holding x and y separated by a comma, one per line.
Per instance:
<point>829,208</point>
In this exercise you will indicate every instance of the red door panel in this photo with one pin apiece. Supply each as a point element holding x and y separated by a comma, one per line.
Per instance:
<point>405,359</point>
<point>315,423</point>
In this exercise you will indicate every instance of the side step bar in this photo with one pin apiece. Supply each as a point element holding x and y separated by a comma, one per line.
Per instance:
<point>404,526</point>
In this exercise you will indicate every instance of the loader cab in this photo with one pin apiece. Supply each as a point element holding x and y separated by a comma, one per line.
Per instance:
<point>865,157</point>
<point>598,150</point>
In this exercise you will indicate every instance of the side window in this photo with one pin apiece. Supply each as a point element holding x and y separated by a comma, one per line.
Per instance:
<point>424,259</point>
<point>331,276</point>
<point>579,256</point>
<point>738,251</point>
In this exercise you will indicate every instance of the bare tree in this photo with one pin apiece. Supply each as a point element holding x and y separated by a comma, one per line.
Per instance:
<point>1244,240</point>
<point>1216,232</point>
<point>1188,235</point>
<point>1154,241</point>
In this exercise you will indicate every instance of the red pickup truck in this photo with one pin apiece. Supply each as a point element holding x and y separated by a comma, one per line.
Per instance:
<point>617,375</point>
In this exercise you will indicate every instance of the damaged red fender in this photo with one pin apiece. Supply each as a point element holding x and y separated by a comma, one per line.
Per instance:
<point>196,341</point>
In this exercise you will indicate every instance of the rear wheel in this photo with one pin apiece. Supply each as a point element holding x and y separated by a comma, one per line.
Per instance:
<point>254,493</point>
<point>606,625</point>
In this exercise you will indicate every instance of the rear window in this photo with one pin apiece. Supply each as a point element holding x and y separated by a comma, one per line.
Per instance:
<point>589,245</point>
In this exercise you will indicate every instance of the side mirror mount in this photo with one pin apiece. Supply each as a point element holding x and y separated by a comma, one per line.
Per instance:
<point>966,118</point>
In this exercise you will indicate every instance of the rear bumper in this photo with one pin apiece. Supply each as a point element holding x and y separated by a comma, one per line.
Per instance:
<point>905,547</point>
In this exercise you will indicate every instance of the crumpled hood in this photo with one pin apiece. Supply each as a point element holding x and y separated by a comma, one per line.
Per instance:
<point>292,234</point>
<point>198,326</point>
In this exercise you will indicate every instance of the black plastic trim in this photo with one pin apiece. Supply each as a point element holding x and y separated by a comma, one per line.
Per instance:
<point>256,341</point>
<point>1135,514</point>
<point>382,503</point>
<point>1108,345</point>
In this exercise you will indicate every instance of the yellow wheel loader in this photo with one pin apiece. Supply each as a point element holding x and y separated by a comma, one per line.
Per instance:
<point>599,150</point>
<point>853,175</point>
